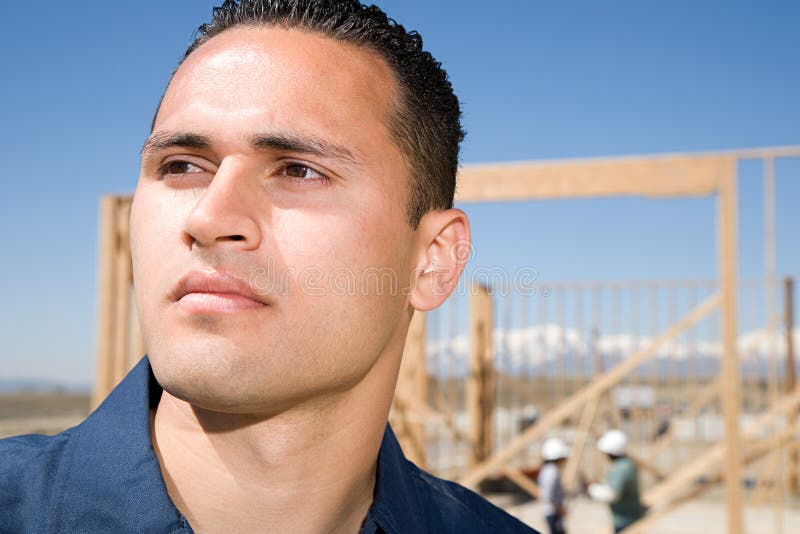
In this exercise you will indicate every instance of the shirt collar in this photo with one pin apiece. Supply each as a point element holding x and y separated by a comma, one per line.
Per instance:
<point>114,473</point>
<point>395,508</point>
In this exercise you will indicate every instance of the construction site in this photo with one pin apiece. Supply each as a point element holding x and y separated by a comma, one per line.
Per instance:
<point>710,407</point>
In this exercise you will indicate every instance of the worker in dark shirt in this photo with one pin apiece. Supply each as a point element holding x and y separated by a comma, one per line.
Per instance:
<point>621,487</point>
<point>293,211</point>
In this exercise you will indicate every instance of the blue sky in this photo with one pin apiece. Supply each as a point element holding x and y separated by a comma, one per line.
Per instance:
<point>538,80</point>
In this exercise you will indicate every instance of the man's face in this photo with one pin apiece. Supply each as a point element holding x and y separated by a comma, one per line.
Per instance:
<point>271,173</point>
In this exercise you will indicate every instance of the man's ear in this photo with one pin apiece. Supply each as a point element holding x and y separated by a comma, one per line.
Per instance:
<point>443,248</point>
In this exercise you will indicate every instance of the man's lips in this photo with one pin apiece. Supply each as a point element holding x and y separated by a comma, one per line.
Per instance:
<point>215,292</point>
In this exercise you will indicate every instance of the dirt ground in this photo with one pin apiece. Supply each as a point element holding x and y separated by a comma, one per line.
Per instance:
<point>37,413</point>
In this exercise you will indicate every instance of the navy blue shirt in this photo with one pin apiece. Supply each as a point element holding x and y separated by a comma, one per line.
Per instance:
<point>103,476</point>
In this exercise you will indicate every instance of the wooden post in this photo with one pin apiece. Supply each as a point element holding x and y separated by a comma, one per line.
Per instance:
<point>605,401</point>
<point>115,307</point>
<point>730,393</point>
<point>107,238</point>
<point>788,306</point>
<point>122,293</point>
<point>412,384</point>
<point>788,310</point>
<point>579,443</point>
<point>480,385</point>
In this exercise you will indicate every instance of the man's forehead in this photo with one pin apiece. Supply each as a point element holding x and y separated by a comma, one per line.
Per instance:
<point>295,54</point>
<point>282,75</point>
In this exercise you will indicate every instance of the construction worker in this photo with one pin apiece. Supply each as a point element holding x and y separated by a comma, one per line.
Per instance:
<point>551,492</point>
<point>621,487</point>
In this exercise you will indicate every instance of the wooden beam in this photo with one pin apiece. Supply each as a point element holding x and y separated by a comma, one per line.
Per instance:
<point>594,389</point>
<point>440,408</point>
<point>410,442</point>
<point>788,307</point>
<point>579,443</point>
<point>714,457</point>
<point>646,465</point>
<point>793,469</point>
<point>607,406</point>
<point>122,283</point>
<point>107,239</point>
<point>412,387</point>
<point>788,313</point>
<point>644,525</point>
<point>754,451</point>
<point>480,384</point>
<point>655,176</point>
<point>520,479</point>
<point>766,478</point>
<point>731,377</point>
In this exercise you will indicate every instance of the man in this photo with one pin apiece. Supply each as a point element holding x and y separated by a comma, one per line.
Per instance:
<point>621,487</point>
<point>300,147</point>
<point>554,453</point>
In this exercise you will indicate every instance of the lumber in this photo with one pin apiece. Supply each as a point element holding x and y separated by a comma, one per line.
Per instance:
<point>595,388</point>
<point>654,176</point>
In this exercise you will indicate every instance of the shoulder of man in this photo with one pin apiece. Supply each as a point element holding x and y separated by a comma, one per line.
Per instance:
<point>30,471</point>
<point>460,509</point>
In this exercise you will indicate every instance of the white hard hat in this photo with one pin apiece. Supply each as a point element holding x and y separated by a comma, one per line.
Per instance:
<point>554,449</point>
<point>613,442</point>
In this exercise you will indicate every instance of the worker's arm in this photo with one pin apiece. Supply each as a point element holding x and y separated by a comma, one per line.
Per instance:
<point>603,493</point>
<point>611,490</point>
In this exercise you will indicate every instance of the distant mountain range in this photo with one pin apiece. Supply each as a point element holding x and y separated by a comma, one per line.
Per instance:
<point>552,350</point>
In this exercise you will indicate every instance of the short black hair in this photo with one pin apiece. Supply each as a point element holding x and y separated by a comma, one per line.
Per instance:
<point>426,121</point>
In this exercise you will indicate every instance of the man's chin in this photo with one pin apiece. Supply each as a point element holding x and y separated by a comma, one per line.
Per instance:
<point>203,396</point>
<point>218,388</point>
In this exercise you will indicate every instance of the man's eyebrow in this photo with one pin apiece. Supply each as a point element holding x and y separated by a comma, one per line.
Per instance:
<point>304,145</point>
<point>163,140</point>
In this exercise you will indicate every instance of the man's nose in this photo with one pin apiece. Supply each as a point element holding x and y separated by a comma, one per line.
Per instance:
<point>226,212</point>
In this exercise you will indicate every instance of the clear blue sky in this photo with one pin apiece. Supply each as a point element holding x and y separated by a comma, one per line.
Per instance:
<point>537,80</point>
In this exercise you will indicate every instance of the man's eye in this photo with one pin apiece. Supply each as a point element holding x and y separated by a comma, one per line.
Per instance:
<point>178,167</point>
<point>302,172</point>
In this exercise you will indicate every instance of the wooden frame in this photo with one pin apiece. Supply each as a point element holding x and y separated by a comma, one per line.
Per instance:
<point>119,343</point>
<point>662,176</point>
<point>594,389</point>
<point>647,176</point>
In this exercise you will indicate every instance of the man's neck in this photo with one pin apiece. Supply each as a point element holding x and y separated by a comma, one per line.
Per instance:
<point>311,469</point>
